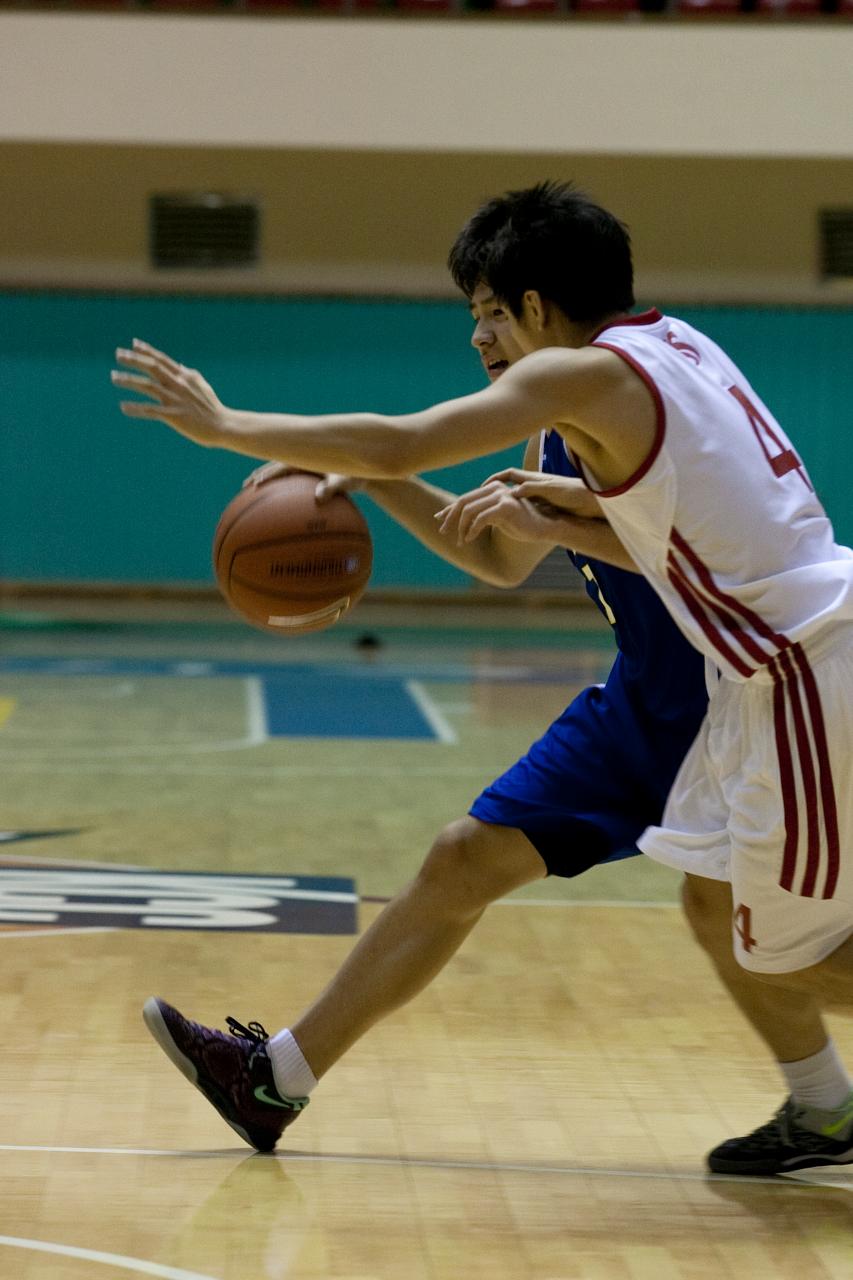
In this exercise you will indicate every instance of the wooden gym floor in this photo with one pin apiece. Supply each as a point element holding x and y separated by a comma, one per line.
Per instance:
<point>542,1111</point>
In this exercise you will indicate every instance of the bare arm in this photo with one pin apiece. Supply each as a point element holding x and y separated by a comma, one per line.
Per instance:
<point>558,510</point>
<point>493,556</point>
<point>599,402</point>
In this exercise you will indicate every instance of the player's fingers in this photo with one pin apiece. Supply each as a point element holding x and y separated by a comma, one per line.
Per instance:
<point>268,471</point>
<point>134,382</point>
<point>141,409</point>
<point>329,486</point>
<point>531,489</point>
<point>167,375</point>
<point>471,510</point>
<point>447,519</point>
<point>139,345</point>
<point>510,475</point>
<point>482,521</point>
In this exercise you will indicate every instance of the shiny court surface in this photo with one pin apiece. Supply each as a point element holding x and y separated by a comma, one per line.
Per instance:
<point>542,1111</point>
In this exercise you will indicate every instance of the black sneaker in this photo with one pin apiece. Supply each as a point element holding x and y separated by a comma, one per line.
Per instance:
<point>233,1072</point>
<point>798,1137</point>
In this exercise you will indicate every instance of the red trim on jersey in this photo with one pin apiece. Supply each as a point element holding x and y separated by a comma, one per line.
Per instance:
<point>730,624</point>
<point>687,592</point>
<point>643,317</point>
<point>703,573</point>
<point>660,423</point>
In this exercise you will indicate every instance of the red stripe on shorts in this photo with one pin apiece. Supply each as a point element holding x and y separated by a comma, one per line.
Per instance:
<point>789,788</point>
<point>786,685</point>
<point>827,787</point>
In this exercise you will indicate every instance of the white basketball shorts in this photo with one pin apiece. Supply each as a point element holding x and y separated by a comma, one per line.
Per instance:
<point>764,798</point>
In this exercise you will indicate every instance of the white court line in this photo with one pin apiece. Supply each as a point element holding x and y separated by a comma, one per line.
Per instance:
<point>431,712</point>
<point>257,733</point>
<point>50,932</point>
<point>256,712</point>
<point>71,862</point>
<point>113,763</point>
<point>109,1259</point>
<point>416,1162</point>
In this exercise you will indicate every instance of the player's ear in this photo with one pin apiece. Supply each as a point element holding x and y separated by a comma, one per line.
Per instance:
<point>535,308</point>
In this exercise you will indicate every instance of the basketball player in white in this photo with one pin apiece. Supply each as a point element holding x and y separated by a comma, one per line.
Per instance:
<point>714,505</point>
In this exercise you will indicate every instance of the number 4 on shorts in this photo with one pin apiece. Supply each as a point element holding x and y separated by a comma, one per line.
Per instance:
<point>743,926</point>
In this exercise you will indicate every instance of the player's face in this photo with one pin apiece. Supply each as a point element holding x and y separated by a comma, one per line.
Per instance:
<point>494,336</point>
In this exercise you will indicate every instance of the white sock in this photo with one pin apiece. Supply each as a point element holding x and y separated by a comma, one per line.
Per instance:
<point>293,1077</point>
<point>819,1081</point>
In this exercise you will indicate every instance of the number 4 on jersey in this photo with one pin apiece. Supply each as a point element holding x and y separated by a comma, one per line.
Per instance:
<point>783,461</point>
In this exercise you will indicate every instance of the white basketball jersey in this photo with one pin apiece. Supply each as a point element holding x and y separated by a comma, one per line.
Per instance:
<point>722,516</point>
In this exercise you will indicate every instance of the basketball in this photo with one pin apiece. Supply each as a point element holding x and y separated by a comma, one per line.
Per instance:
<point>287,564</point>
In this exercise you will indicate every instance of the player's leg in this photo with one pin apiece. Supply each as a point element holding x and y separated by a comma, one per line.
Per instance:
<point>258,1083</point>
<point>791,916</point>
<point>470,865</point>
<point>789,1022</point>
<point>522,827</point>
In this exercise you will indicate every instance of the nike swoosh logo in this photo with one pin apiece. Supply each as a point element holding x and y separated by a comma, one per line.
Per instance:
<point>295,1104</point>
<point>829,1129</point>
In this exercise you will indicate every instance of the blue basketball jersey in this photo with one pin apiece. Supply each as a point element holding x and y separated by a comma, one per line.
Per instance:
<point>600,774</point>
<point>663,672</point>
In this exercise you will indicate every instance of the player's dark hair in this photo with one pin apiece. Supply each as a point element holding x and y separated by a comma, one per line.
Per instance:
<point>552,238</point>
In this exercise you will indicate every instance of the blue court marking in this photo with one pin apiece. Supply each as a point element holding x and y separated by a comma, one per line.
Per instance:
<point>316,700</point>
<point>299,701</point>
<point>320,704</point>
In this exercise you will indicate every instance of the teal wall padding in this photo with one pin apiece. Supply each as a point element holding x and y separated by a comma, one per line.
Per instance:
<point>90,496</point>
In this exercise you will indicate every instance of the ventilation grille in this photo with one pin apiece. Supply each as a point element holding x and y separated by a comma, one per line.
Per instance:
<point>836,244</point>
<point>204,229</point>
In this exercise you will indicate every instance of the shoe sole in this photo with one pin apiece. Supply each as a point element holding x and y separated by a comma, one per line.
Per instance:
<point>758,1169</point>
<point>156,1024</point>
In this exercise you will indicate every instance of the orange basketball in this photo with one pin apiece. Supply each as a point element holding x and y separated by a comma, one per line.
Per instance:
<point>287,564</point>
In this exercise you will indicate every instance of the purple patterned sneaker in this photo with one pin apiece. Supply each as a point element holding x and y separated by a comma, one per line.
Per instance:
<point>233,1072</point>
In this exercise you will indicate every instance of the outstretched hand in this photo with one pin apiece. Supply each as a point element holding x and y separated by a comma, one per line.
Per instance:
<point>177,396</point>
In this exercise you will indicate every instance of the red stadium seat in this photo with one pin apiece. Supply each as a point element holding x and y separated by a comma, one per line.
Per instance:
<point>410,6</point>
<point>528,6</point>
<point>295,6</point>
<point>789,8</point>
<point>607,6</point>
<point>426,6</point>
<point>195,6</point>
<point>709,8</point>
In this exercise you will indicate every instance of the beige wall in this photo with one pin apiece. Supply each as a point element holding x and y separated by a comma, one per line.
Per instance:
<point>656,87</point>
<point>369,142</point>
<point>380,222</point>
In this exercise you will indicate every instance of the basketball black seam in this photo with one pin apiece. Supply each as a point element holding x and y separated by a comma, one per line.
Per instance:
<point>264,593</point>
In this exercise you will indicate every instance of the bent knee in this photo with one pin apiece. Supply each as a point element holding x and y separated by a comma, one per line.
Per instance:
<point>478,863</point>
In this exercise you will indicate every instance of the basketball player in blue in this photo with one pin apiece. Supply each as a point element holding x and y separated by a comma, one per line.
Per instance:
<point>583,793</point>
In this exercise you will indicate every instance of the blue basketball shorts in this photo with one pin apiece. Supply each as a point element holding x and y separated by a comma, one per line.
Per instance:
<point>589,787</point>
